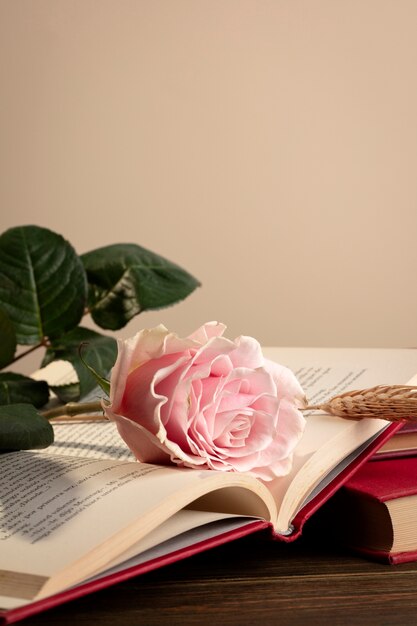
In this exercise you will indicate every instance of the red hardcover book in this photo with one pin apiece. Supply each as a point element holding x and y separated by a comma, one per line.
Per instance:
<point>375,512</point>
<point>74,521</point>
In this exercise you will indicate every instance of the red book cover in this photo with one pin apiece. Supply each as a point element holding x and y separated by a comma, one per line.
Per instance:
<point>385,480</point>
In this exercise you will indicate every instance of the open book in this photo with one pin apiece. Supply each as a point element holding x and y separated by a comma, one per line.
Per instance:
<point>83,513</point>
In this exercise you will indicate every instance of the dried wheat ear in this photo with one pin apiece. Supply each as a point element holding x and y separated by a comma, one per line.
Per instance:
<point>390,402</point>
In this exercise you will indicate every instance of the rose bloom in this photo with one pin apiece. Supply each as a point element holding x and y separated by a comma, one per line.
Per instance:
<point>205,402</point>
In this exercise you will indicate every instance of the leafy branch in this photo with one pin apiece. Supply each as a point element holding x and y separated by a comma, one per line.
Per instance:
<point>46,288</point>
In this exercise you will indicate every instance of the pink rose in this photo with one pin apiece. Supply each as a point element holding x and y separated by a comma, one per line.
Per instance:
<point>205,402</point>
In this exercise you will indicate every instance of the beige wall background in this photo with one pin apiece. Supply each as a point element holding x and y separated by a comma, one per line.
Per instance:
<point>268,146</point>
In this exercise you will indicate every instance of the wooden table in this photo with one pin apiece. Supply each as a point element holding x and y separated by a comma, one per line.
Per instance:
<point>254,581</point>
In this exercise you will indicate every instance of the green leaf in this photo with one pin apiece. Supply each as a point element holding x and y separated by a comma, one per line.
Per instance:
<point>125,279</point>
<point>43,286</point>
<point>7,339</point>
<point>67,393</point>
<point>15,388</point>
<point>102,382</point>
<point>100,354</point>
<point>22,428</point>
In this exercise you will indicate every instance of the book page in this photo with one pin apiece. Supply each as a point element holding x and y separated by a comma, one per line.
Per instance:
<point>182,530</point>
<point>177,525</point>
<point>65,518</point>
<point>323,373</point>
<point>99,440</point>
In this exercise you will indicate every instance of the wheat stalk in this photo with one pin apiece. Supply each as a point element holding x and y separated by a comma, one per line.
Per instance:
<point>390,402</point>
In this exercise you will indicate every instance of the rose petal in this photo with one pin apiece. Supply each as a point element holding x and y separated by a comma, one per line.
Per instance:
<point>207,331</point>
<point>248,353</point>
<point>286,381</point>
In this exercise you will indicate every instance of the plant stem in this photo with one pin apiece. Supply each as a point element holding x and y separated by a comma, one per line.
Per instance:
<point>73,408</point>
<point>22,354</point>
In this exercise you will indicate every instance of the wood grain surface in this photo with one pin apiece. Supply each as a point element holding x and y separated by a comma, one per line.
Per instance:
<point>254,581</point>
